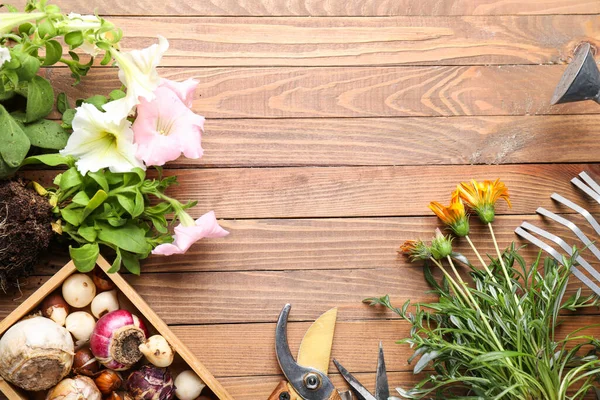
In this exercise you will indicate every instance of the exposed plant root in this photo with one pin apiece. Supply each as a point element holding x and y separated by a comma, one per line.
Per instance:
<point>25,231</point>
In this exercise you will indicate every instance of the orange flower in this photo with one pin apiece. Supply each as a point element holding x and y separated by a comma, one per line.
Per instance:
<point>415,249</point>
<point>482,197</point>
<point>454,215</point>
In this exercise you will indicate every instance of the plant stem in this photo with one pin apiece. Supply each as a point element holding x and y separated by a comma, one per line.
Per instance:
<point>504,270</point>
<point>454,284</point>
<point>483,264</point>
<point>475,305</point>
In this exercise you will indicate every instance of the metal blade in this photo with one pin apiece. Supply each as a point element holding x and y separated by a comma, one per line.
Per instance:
<point>361,392</point>
<point>382,388</point>
<point>297,374</point>
<point>315,349</point>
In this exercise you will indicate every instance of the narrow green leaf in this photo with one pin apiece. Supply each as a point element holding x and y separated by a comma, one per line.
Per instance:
<point>62,103</point>
<point>51,160</point>
<point>94,203</point>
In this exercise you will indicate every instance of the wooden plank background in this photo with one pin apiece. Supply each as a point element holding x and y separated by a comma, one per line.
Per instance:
<point>330,126</point>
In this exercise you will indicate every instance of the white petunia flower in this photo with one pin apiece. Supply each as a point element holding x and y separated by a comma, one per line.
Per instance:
<point>4,55</point>
<point>98,141</point>
<point>137,71</point>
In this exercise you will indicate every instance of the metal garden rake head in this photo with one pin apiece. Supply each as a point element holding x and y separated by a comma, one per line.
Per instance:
<point>585,183</point>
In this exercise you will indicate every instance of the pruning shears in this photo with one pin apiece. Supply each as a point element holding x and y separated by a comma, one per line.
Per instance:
<point>307,377</point>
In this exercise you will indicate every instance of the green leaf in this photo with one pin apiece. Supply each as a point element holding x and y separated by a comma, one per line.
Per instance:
<point>139,205</point>
<point>62,103</point>
<point>129,237</point>
<point>40,99</point>
<point>100,179</point>
<point>126,202</point>
<point>29,68</point>
<point>70,178</point>
<point>89,233</point>
<point>81,198</point>
<point>98,101</point>
<point>15,143</point>
<point>51,160</point>
<point>54,52</point>
<point>116,265</point>
<point>72,214</point>
<point>85,256</point>
<point>46,29</point>
<point>5,170</point>
<point>47,134</point>
<point>94,203</point>
<point>498,355</point>
<point>116,95</point>
<point>131,262</point>
<point>67,118</point>
<point>74,39</point>
<point>424,360</point>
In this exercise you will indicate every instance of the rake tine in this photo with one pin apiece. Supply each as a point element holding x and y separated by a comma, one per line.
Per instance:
<point>590,181</point>
<point>586,214</point>
<point>557,256</point>
<point>564,245</point>
<point>590,192</point>
<point>574,228</point>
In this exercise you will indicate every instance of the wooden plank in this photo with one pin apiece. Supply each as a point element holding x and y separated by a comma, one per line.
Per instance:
<point>264,41</point>
<point>257,296</point>
<point>399,141</point>
<point>348,92</point>
<point>307,244</point>
<point>327,7</point>
<point>355,344</point>
<point>361,191</point>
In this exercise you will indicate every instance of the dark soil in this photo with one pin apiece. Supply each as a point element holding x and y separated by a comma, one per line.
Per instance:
<point>25,230</point>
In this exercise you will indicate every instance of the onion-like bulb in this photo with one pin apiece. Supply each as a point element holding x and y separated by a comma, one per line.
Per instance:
<point>77,388</point>
<point>36,353</point>
<point>151,383</point>
<point>116,339</point>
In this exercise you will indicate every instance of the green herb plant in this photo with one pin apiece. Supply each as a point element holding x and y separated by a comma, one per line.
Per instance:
<point>27,98</point>
<point>108,209</point>
<point>497,337</point>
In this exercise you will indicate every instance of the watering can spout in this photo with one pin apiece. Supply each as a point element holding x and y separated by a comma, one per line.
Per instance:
<point>581,80</point>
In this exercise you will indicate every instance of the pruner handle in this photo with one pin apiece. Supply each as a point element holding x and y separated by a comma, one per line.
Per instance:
<point>284,392</point>
<point>281,392</point>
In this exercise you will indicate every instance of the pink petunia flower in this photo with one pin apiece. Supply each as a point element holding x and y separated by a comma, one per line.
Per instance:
<point>165,127</point>
<point>185,236</point>
<point>184,90</point>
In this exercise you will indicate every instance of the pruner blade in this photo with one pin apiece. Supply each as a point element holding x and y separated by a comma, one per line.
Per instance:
<point>382,390</point>
<point>309,383</point>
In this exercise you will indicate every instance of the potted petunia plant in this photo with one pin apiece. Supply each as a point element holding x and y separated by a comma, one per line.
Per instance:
<point>104,144</point>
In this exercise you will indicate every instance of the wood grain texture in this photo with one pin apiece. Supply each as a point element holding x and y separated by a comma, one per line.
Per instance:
<point>332,243</point>
<point>361,191</point>
<point>350,92</point>
<point>357,8</point>
<point>263,41</point>
<point>258,296</point>
<point>399,141</point>
<point>355,345</point>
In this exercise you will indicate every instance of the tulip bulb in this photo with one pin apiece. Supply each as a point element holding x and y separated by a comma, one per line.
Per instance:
<point>157,351</point>
<point>77,388</point>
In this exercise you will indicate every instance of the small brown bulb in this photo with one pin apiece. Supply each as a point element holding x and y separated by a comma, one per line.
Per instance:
<point>108,381</point>
<point>84,362</point>
<point>55,308</point>
<point>113,396</point>
<point>102,282</point>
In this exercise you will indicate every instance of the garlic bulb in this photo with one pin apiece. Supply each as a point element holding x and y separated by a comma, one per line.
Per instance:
<point>77,388</point>
<point>36,353</point>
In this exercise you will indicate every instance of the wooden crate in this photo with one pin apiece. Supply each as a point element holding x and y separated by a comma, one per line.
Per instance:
<point>136,305</point>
